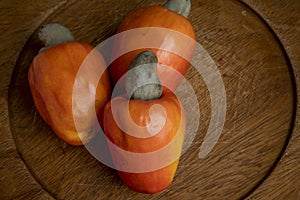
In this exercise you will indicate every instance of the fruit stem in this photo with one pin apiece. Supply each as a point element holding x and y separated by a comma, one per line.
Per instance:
<point>54,34</point>
<point>142,81</point>
<point>181,7</point>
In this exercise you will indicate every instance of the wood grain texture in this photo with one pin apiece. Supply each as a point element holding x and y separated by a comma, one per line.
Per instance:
<point>16,180</point>
<point>284,19</point>
<point>257,76</point>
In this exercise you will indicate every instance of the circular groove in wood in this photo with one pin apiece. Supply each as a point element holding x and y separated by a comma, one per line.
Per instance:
<point>294,91</point>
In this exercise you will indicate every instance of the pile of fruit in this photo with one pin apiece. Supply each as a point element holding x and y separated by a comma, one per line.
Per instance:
<point>146,118</point>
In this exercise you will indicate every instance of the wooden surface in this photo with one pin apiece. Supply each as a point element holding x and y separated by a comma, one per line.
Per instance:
<point>255,44</point>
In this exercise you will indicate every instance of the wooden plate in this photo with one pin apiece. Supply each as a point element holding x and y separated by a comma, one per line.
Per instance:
<point>259,145</point>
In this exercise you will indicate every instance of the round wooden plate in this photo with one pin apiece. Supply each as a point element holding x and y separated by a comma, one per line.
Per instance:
<point>257,155</point>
